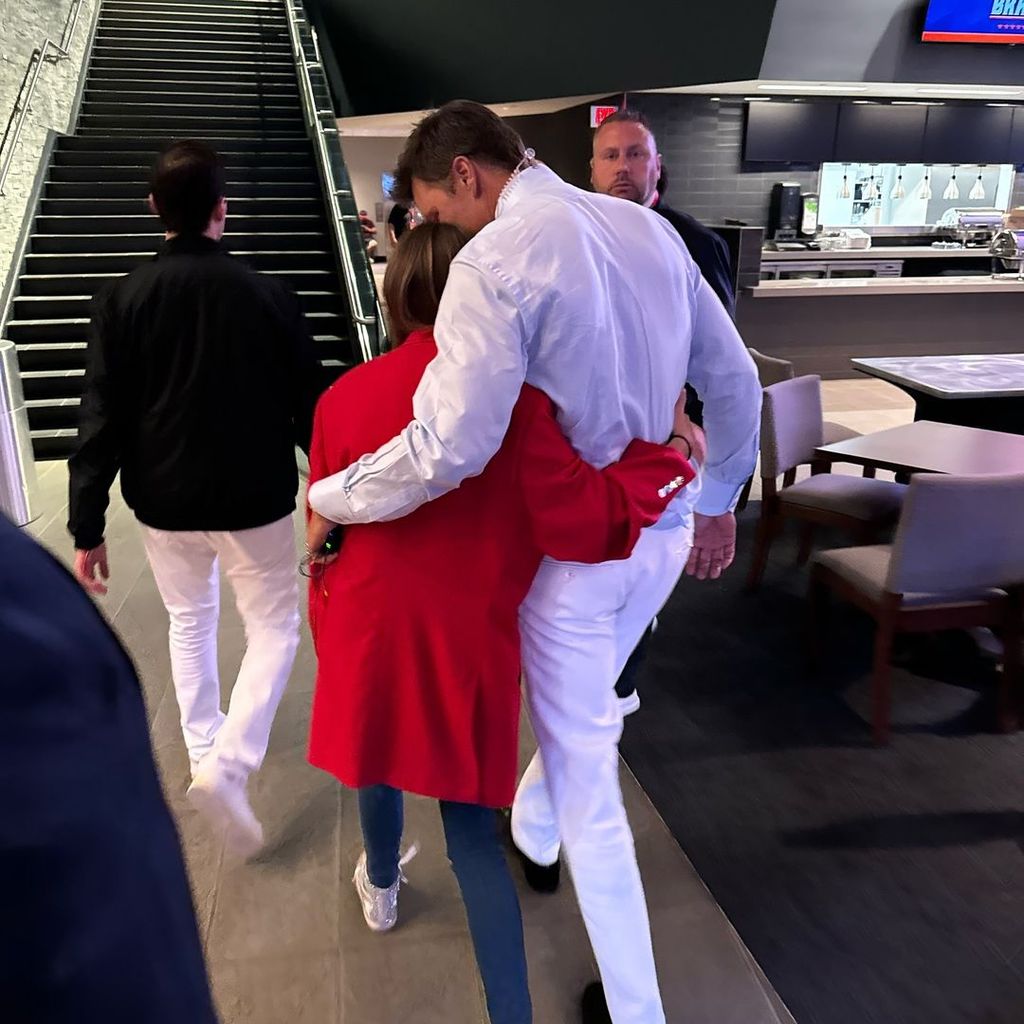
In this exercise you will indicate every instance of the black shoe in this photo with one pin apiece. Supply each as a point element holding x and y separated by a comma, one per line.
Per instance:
<point>595,1009</point>
<point>542,878</point>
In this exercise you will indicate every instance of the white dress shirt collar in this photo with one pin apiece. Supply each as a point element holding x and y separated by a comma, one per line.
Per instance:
<point>523,184</point>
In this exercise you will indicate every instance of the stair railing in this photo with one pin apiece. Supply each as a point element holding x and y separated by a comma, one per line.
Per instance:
<point>47,53</point>
<point>357,274</point>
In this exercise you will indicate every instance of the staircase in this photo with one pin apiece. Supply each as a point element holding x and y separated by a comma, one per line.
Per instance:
<point>164,70</point>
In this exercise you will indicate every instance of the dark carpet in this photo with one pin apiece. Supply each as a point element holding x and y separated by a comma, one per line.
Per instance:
<point>871,885</point>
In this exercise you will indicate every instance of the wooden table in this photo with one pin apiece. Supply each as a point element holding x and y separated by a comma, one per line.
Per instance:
<point>927,447</point>
<point>975,391</point>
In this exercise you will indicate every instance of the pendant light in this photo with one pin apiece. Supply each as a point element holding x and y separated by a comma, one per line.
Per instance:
<point>978,192</point>
<point>844,189</point>
<point>898,191</point>
<point>952,189</point>
<point>871,192</point>
<point>926,184</point>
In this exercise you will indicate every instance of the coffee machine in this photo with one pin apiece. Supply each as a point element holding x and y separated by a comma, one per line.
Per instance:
<point>792,216</point>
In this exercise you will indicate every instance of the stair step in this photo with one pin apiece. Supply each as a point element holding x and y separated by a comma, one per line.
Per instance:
<point>226,146</point>
<point>87,245</point>
<point>176,25</point>
<point>94,225</point>
<point>49,445</point>
<point>311,257</point>
<point>195,105</point>
<point>213,10</point>
<point>166,61</point>
<point>289,185</point>
<point>254,46</point>
<point>36,308</point>
<point>238,161</point>
<point>53,413</point>
<point>241,205</point>
<point>52,356</point>
<point>318,282</point>
<point>254,85</point>
<point>161,76</point>
<point>71,329</point>
<point>52,383</point>
<point>206,136</point>
<point>176,124</point>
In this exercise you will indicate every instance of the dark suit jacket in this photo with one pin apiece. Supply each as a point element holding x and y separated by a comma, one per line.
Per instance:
<point>708,250</point>
<point>97,924</point>
<point>711,255</point>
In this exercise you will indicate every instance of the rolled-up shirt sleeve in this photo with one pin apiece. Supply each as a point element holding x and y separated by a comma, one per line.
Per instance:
<point>725,377</point>
<point>461,409</point>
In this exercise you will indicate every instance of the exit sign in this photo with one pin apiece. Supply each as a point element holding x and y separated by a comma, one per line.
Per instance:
<point>598,115</point>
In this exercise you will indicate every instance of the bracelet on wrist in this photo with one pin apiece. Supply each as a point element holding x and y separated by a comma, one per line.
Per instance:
<point>685,440</point>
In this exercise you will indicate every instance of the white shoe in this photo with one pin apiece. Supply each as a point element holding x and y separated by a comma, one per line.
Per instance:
<point>219,794</point>
<point>380,906</point>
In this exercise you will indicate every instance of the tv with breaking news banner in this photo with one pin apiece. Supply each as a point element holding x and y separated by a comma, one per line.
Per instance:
<point>974,21</point>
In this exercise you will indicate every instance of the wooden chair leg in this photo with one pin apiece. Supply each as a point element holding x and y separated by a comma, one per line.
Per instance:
<point>1011,678</point>
<point>745,494</point>
<point>789,477</point>
<point>807,533</point>
<point>881,679</point>
<point>817,620</point>
<point>767,528</point>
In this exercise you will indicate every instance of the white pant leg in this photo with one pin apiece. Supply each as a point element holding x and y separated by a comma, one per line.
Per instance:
<point>184,565</point>
<point>579,624</point>
<point>262,568</point>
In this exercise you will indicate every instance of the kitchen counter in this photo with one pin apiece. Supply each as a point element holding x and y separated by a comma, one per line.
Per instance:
<point>881,253</point>
<point>873,286</point>
<point>819,324</point>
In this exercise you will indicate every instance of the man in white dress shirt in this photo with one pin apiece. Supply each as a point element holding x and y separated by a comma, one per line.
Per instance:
<point>595,301</point>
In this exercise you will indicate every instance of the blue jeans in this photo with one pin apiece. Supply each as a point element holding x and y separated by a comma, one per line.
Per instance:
<point>492,906</point>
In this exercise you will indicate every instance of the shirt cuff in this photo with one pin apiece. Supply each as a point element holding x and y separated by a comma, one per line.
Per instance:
<point>716,496</point>
<point>328,497</point>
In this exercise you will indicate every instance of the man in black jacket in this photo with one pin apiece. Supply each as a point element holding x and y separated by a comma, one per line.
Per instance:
<point>200,382</point>
<point>626,163</point>
<point>97,924</point>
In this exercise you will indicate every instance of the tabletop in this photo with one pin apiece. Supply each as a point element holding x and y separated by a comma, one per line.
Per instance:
<point>977,376</point>
<point>927,447</point>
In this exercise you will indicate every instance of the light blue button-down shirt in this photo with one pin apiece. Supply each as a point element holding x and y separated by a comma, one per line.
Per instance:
<point>594,300</point>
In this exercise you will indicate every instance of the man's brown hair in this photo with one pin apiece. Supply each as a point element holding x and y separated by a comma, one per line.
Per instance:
<point>459,128</point>
<point>416,276</point>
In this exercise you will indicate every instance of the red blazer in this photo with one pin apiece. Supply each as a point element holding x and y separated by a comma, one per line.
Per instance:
<point>416,622</point>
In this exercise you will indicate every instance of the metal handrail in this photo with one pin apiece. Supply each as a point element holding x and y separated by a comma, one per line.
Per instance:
<point>48,51</point>
<point>362,319</point>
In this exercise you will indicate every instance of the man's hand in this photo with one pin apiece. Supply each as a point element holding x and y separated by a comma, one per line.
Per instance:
<point>685,427</point>
<point>86,564</point>
<point>714,546</point>
<point>317,529</point>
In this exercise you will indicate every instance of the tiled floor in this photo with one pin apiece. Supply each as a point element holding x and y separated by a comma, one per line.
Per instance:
<point>284,937</point>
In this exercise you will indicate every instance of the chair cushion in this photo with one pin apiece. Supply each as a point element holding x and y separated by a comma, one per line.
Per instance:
<point>867,567</point>
<point>867,500</point>
<point>833,433</point>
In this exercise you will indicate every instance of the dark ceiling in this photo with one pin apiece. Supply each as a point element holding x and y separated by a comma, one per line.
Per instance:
<point>396,55</point>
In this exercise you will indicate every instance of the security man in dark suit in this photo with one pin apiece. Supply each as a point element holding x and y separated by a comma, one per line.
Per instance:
<point>626,163</point>
<point>97,924</point>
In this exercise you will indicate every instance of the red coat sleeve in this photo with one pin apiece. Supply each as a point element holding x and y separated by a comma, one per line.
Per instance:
<point>582,514</point>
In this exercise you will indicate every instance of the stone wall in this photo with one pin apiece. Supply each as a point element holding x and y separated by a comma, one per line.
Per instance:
<point>24,24</point>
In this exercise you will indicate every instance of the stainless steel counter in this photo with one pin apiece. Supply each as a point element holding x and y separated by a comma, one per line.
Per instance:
<point>878,253</point>
<point>873,286</point>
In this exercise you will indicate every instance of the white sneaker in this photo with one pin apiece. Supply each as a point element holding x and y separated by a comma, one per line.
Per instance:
<point>380,906</point>
<point>219,794</point>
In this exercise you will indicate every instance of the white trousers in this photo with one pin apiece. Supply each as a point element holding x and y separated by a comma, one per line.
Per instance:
<point>579,625</point>
<point>261,566</point>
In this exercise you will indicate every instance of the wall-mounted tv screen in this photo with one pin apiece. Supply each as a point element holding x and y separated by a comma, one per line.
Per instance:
<point>974,21</point>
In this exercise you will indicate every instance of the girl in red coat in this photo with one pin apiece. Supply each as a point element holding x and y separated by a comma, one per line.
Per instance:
<point>416,621</point>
